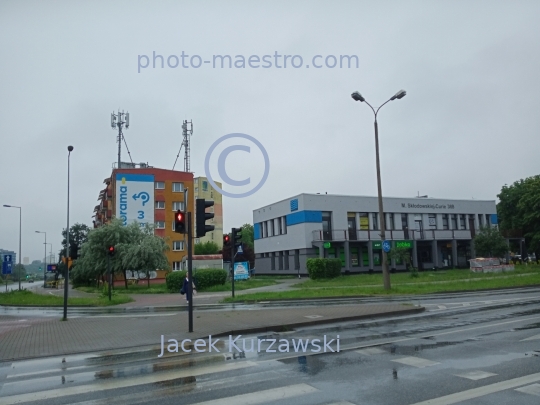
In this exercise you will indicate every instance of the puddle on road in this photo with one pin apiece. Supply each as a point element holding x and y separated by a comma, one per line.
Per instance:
<point>310,365</point>
<point>408,350</point>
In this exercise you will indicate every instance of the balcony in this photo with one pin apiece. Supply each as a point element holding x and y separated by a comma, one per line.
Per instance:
<point>362,236</point>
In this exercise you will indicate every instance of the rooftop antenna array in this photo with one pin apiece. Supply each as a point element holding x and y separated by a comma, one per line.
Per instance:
<point>187,131</point>
<point>118,121</point>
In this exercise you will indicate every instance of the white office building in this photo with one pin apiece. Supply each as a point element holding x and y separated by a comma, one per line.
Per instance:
<point>439,232</point>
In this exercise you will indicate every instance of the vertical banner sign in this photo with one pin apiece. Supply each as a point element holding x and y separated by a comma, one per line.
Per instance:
<point>241,270</point>
<point>135,198</point>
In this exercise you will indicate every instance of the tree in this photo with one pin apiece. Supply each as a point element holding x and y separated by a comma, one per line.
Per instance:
<point>206,248</point>
<point>519,209</point>
<point>146,252</point>
<point>78,235</point>
<point>248,235</point>
<point>401,254</point>
<point>490,243</point>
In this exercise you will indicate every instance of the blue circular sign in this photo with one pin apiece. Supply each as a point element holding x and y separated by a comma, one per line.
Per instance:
<point>386,246</point>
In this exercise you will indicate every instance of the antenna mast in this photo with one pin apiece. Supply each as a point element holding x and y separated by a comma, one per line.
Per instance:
<point>187,131</point>
<point>118,121</point>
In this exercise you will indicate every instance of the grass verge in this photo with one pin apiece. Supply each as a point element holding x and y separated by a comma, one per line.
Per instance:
<point>27,298</point>
<point>241,285</point>
<point>506,280</point>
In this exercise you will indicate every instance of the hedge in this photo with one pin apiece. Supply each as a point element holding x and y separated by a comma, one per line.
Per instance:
<point>323,268</point>
<point>175,280</point>
<point>205,278</point>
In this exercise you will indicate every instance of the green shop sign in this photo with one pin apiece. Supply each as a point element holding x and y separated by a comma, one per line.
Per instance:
<point>377,245</point>
<point>408,244</point>
<point>326,245</point>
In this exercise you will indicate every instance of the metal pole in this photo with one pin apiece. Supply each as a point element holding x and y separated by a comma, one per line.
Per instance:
<point>190,273</point>
<point>232,263</point>
<point>386,274</point>
<point>109,275</point>
<point>66,277</point>
<point>45,264</point>
<point>20,233</point>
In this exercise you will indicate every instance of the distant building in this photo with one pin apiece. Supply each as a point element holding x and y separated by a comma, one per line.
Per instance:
<point>148,195</point>
<point>203,189</point>
<point>439,232</point>
<point>4,252</point>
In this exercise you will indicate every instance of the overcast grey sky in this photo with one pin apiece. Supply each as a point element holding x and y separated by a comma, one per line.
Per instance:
<point>468,125</point>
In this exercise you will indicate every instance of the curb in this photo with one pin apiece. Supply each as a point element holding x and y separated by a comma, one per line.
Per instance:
<point>286,327</point>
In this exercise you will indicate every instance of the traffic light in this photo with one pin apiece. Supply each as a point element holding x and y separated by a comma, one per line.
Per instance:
<point>202,216</point>
<point>111,250</point>
<point>180,222</point>
<point>226,239</point>
<point>236,238</point>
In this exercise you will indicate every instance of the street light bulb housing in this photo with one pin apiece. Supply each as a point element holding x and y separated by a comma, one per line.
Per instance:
<point>70,148</point>
<point>400,94</point>
<point>5,205</point>
<point>358,97</point>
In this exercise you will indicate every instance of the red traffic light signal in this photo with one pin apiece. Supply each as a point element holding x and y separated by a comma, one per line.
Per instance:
<point>226,239</point>
<point>111,251</point>
<point>180,222</point>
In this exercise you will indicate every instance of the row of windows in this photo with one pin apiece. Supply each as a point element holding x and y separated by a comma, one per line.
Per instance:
<point>282,259</point>
<point>449,221</point>
<point>273,227</point>
<point>176,187</point>
<point>176,205</point>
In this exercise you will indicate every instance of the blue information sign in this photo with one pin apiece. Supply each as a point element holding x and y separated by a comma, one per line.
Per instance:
<point>386,246</point>
<point>7,258</point>
<point>6,267</point>
<point>241,271</point>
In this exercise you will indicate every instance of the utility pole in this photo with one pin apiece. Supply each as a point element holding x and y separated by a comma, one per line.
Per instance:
<point>118,121</point>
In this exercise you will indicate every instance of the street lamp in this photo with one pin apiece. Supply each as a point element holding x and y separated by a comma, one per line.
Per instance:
<point>45,261</point>
<point>66,278</point>
<point>20,231</point>
<point>358,97</point>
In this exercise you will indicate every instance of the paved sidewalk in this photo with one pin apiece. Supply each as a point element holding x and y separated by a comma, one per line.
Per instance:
<point>24,338</point>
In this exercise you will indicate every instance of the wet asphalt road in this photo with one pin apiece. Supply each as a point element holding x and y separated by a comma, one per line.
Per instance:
<point>484,353</point>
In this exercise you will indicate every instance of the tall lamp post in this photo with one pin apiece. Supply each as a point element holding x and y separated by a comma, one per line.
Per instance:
<point>20,232</point>
<point>66,278</point>
<point>358,97</point>
<point>45,261</point>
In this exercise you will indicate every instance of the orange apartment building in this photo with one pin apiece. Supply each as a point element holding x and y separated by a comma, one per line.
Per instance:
<point>152,195</point>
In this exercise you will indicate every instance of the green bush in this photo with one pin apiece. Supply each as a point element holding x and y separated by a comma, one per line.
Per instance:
<point>323,268</point>
<point>175,280</point>
<point>205,278</point>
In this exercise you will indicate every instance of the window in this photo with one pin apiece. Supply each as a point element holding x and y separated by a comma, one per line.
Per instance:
<point>284,225</point>
<point>297,259</point>
<point>404,221</point>
<point>160,185</point>
<point>454,221</point>
<point>488,220</point>
<point>286,260</point>
<point>280,226</point>
<point>178,205</point>
<point>327,225</point>
<point>177,245</point>
<point>374,219</point>
<point>160,224</point>
<point>390,224</point>
<point>462,222</point>
<point>281,260</point>
<point>273,261</point>
<point>205,186</point>
<point>160,205</point>
<point>364,221</point>
<point>178,187</point>
<point>271,228</point>
<point>177,265</point>
<point>480,220</point>
<point>432,221</point>
<point>445,221</point>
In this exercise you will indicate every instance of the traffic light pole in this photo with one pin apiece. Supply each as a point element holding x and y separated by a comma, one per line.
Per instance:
<point>109,278</point>
<point>232,266</point>
<point>190,271</point>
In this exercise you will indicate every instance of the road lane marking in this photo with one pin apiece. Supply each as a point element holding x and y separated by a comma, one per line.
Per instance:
<point>122,383</point>
<point>475,375</point>
<point>416,362</point>
<point>262,397</point>
<point>530,389</point>
<point>481,391</point>
<point>535,337</point>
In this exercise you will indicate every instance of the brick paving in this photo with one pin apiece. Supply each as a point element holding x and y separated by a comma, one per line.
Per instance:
<point>42,337</point>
